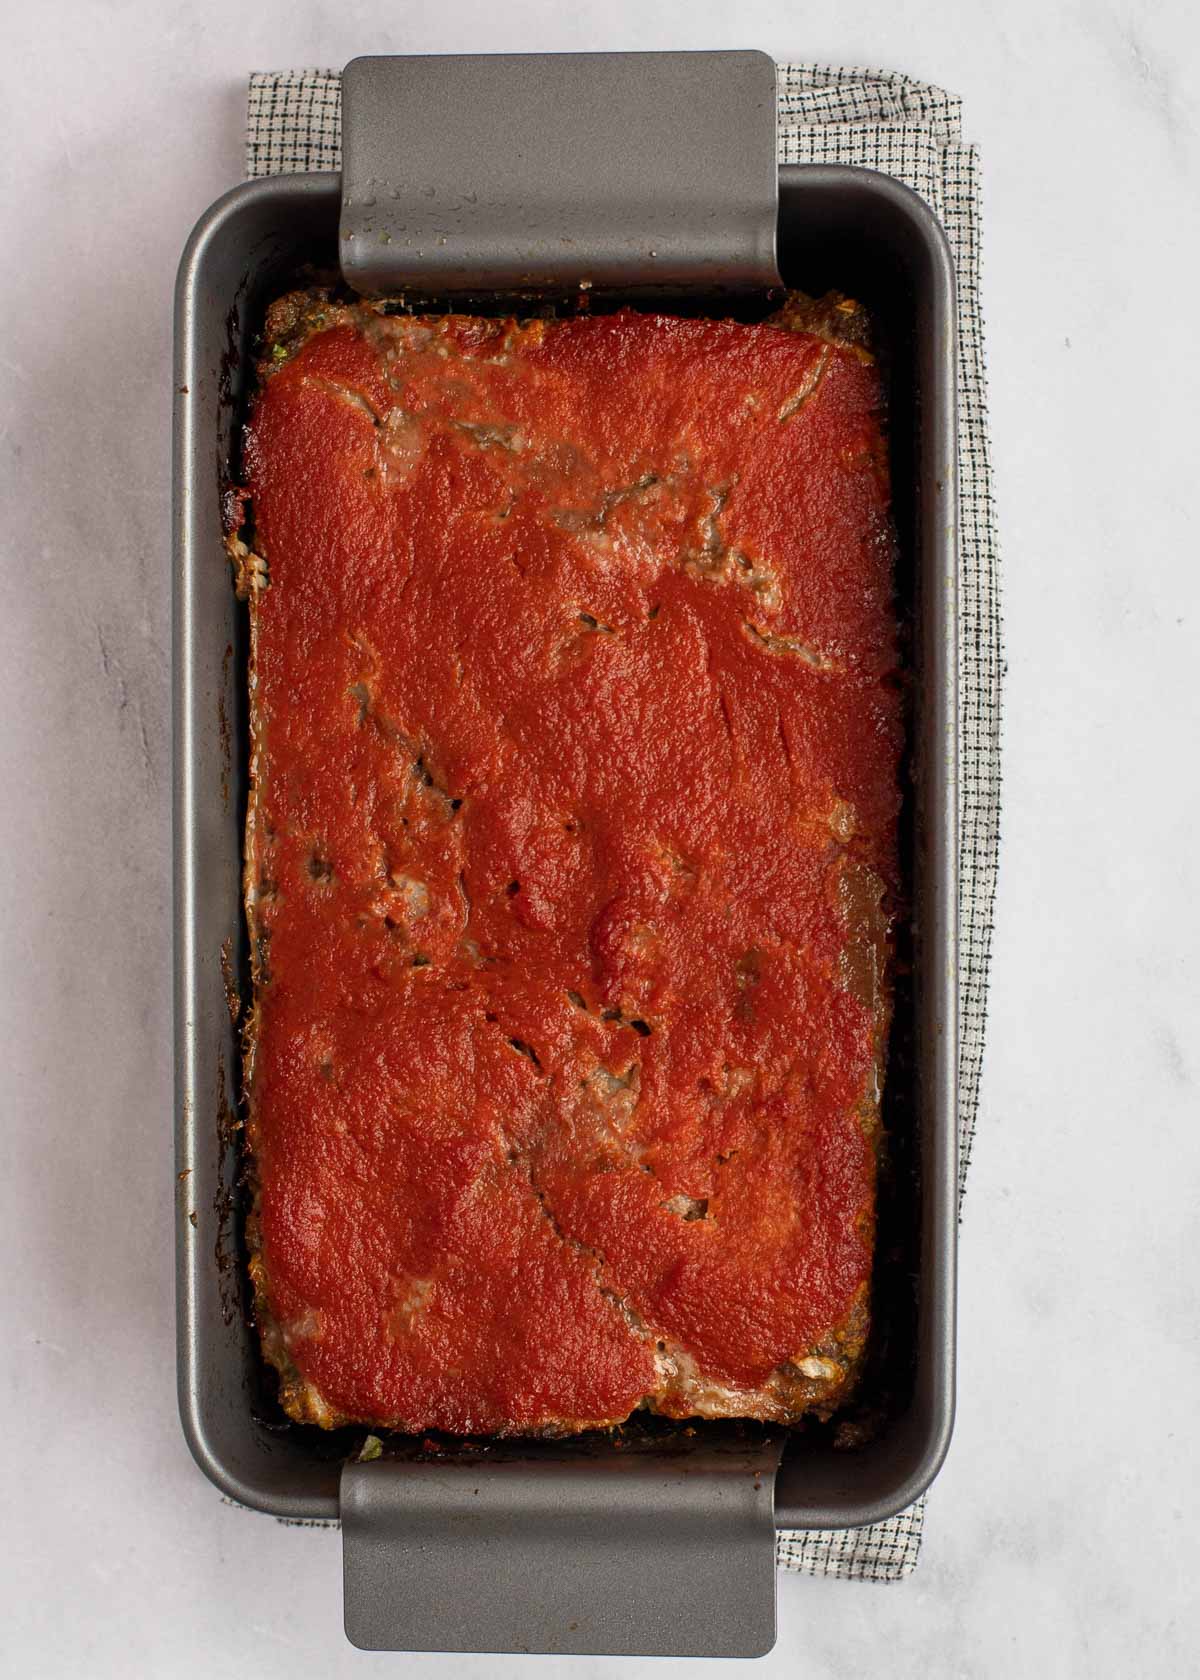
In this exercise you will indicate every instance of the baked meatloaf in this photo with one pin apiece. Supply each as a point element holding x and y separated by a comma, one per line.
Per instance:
<point>570,848</point>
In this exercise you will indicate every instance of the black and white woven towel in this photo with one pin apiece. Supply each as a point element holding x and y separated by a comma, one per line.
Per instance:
<point>912,131</point>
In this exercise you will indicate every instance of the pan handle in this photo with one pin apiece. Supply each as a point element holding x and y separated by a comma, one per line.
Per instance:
<point>623,1554</point>
<point>551,173</point>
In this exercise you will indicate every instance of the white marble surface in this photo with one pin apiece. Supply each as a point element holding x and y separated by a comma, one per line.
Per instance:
<point>1064,1533</point>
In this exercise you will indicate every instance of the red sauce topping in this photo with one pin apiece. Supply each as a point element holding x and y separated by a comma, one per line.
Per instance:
<point>577,746</point>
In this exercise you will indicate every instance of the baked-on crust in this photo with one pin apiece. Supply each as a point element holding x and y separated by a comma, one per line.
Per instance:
<point>575,745</point>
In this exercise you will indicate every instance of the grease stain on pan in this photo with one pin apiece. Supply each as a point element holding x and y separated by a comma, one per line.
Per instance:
<point>224,1203</point>
<point>233,998</point>
<point>223,729</point>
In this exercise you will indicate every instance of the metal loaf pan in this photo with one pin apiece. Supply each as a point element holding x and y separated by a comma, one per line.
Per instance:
<point>853,230</point>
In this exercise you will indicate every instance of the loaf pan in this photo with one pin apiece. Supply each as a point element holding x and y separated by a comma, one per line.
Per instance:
<point>839,228</point>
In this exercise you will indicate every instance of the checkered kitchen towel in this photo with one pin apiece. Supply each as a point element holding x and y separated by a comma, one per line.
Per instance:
<point>912,131</point>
